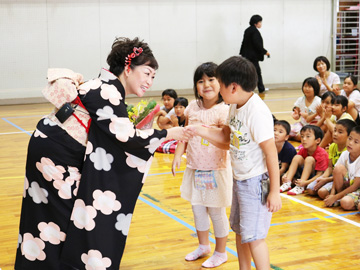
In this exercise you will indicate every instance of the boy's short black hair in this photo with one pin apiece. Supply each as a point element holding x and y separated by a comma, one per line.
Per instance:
<point>319,134</point>
<point>323,59</point>
<point>255,19</point>
<point>343,101</point>
<point>327,94</point>
<point>347,123</point>
<point>313,82</point>
<point>285,124</point>
<point>356,129</point>
<point>182,101</point>
<point>170,92</point>
<point>239,70</point>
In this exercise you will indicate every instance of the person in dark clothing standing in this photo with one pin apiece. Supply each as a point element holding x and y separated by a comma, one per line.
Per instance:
<point>252,47</point>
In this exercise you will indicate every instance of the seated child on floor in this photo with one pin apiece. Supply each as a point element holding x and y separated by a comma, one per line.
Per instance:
<point>322,186</point>
<point>339,107</point>
<point>346,186</point>
<point>180,104</point>
<point>351,91</point>
<point>164,115</point>
<point>327,99</point>
<point>179,119</point>
<point>285,150</point>
<point>310,162</point>
<point>305,107</point>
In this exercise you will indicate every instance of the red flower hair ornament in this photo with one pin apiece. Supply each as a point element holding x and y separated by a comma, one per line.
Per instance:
<point>136,52</point>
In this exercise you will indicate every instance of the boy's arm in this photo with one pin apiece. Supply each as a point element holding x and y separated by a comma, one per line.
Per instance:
<point>333,198</point>
<point>269,149</point>
<point>220,137</point>
<point>284,167</point>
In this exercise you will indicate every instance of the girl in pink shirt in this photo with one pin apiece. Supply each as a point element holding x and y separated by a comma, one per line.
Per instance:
<point>207,181</point>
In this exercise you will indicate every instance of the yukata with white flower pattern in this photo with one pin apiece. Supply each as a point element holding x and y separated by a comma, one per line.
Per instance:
<point>97,218</point>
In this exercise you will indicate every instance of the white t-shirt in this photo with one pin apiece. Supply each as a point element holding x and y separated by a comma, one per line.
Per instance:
<point>353,168</point>
<point>354,97</point>
<point>300,102</point>
<point>250,125</point>
<point>169,113</point>
<point>332,79</point>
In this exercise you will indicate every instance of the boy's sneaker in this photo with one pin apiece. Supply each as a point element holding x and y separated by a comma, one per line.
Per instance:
<point>285,187</point>
<point>296,190</point>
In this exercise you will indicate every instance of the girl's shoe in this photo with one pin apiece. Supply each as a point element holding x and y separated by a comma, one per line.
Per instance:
<point>285,187</point>
<point>296,190</point>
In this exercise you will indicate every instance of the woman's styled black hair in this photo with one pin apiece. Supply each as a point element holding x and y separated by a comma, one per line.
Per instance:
<point>208,69</point>
<point>313,82</point>
<point>319,59</point>
<point>122,48</point>
<point>255,19</point>
<point>181,101</point>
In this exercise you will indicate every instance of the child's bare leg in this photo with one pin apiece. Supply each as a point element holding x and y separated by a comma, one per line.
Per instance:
<point>309,165</point>
<point>295,163</point>
<point>244,254</point>
<point>260,253</point>
<point>347,203</point>
<point>338,176</point>
<point>323,193</point>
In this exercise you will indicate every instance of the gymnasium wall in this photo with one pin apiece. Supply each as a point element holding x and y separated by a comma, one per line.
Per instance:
<point>77,34</point>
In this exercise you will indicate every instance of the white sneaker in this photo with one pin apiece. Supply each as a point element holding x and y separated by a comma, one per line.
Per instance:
<point>296,190</point>
<point>285,187</point>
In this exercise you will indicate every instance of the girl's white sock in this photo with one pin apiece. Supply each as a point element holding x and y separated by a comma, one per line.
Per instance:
<point>202,250</point>
<point>215,260</point>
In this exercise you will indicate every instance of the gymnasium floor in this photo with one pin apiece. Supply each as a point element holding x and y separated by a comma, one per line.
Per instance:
<point>303,235</point>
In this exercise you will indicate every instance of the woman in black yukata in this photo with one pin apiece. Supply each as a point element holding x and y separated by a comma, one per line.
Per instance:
<point>78,202</point>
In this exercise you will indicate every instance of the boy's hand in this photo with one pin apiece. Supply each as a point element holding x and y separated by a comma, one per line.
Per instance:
<point>273,202</point>
<point>329,200</point>
<point>300,182</point>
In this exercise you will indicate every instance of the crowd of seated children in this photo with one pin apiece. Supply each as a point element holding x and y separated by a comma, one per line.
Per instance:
<point>178,119</point>
<point>167,110</point>
<point>286,151</point>
<point>310,162</point>
<point>322,185</point>
<point>305,107</point>
<point>346,175</point>
<point>338,111</point>
<point>352,93</point>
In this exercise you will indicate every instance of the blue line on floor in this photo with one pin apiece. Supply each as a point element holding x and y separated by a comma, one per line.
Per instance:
<point>11,123</point>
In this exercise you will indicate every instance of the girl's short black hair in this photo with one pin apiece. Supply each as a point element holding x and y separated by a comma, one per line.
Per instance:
<point>169,92</point>
<point>208,69</point>
<point>239,70</point>
<point>181,101</point>
<point>343,101</point>
<point>285,124</point>
<point>122,47</point>
<point>319,59</point>
<point>313,82</point>
<point>255,19</point>
<point>347,123</point>
<point>319,134</point>
<point>353,78</point>
<point>330,94</point>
